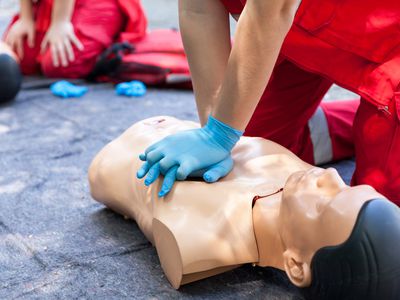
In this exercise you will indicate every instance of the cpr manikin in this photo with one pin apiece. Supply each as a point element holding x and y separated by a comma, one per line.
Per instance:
<point>272,210</point>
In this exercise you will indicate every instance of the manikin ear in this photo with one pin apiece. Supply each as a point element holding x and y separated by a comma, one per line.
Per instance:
<point>298,271</point>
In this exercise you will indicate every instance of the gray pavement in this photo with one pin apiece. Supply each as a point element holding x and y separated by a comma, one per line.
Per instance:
<point>55,241</point>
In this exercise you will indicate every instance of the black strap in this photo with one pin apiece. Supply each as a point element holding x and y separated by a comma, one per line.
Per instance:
<point>111,58</point>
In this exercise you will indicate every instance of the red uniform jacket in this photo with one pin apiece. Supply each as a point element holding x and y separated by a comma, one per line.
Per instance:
<point>355,43</point>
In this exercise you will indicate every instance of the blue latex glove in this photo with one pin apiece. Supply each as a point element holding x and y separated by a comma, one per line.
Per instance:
<point>131,89</point>
<point>65,89</point>
<point>205,150</point>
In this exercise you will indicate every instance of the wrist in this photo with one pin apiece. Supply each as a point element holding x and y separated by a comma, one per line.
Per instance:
<point>26,18</point>
<point>26,11</point>
<point>57,22</point>
<point>223,134</point>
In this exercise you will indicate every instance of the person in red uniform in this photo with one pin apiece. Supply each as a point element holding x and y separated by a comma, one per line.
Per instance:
<point>285,56</point>
<point>63,38</point>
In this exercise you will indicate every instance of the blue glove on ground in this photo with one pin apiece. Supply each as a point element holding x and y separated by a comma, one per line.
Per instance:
<point>205,150</point>
<point>131,89</point>
<point>65,89</point>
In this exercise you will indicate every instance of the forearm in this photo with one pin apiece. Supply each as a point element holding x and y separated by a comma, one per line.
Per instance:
<point>26,11</point>
<point>206,37</point>
<point>62,10</point>
<point>259,37</point>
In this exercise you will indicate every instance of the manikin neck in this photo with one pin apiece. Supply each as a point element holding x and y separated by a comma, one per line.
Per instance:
<point>266,220</point>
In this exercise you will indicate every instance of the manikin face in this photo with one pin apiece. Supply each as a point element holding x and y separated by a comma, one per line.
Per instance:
<point>313,190</point>
<point>318,209</point>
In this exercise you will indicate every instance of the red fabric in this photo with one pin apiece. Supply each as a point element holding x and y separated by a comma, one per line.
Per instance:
<point>157,59</point>
<point>291,98</point>
<point>97,24</point>
<point>136,26</point>
<point>353,43</point>
<point>154,68</point>
<point>373,135</point>
<point>377,145</point>
<point>340,117</point>
<point>42,11</point>
<point>30,62</point>
<point>161,40</point>
<point>289,101</point>
<point>233,6</point>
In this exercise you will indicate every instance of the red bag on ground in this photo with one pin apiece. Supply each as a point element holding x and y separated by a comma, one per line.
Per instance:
<point>157,60</point>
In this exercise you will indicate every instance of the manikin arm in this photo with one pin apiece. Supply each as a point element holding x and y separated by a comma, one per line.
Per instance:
<point>206,37</point>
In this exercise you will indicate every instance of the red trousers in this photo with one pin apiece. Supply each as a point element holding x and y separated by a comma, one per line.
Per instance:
<point>290,113</point>
<point>97,24</point>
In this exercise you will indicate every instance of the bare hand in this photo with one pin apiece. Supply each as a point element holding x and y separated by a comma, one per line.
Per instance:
<point>19,30</point>
<point>60,37</point>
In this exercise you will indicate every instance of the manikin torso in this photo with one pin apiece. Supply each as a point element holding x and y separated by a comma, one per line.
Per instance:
<point>202,229</point>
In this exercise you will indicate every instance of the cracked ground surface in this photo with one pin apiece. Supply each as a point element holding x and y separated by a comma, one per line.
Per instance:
<point>55,241</point>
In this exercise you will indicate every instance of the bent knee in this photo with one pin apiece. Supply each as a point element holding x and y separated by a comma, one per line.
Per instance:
<point>79,68</point>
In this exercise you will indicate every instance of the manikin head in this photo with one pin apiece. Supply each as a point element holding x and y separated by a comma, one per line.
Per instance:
<point>10,74</point>
<point>339,242</point>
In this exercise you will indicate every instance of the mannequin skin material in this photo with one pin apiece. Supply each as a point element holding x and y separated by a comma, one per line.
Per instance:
<point>272,209</point>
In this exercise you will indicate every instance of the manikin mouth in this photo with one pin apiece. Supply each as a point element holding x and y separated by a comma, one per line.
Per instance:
<point>265,196</point>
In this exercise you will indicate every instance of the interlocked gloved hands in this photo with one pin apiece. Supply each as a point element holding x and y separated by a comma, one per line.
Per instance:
<point>197,152</point>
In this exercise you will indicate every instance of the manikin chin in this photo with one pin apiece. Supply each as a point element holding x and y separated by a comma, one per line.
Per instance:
<point>333,241</point>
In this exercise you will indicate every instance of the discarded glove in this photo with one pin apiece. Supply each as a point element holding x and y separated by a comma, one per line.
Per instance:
<point>131,89</point>
<point>65,89</point>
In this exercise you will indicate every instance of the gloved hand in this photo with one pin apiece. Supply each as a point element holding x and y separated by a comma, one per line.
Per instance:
<point>65,89</point>
<point>205,150</point>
